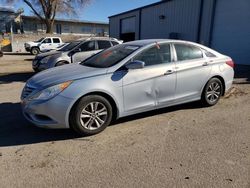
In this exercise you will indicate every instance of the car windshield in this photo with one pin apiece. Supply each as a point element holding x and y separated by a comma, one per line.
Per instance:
<point>111,56</point>
<point>70,46</point>
<point>40,40</point>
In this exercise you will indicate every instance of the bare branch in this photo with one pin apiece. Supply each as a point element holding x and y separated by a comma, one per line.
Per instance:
<point>33,9</point>
<point>47,10</point>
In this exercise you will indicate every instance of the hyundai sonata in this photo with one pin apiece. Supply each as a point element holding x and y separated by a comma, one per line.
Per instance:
<point>123,80</point>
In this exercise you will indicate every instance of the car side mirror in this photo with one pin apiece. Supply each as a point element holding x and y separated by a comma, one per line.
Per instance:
<point>135,65</point>
<point>77,50</point>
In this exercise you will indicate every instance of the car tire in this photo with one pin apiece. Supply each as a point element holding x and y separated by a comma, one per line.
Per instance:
<point>1,54</point>
<point>36,70</point>
<point>61,63</point>
<point>35,51</point>
<point>91,115</point>
<point>212,92</point>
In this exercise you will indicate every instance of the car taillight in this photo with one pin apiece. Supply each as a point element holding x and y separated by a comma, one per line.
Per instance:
<point>230,63</point>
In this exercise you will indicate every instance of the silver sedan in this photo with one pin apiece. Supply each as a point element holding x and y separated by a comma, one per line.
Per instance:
<point>123,80</point>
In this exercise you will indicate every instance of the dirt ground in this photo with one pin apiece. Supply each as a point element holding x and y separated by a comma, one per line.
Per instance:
<point>183,146</point>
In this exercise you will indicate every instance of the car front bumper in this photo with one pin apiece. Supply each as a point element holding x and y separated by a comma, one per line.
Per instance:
<point>27,49</point>
<point>37,66</point>
<point>53,113</point>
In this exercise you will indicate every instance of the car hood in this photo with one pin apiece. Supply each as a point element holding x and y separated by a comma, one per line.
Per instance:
<point>50,53</point>
<point>32,43</point>
<point>62,74</point>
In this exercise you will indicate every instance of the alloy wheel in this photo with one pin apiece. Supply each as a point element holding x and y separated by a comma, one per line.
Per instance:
<point>93,115</point>
<point>213,92</point>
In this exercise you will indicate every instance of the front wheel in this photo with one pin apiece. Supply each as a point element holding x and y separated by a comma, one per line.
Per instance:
<point>91,115</point>
<point>35,51</point>
<point>212,92</point>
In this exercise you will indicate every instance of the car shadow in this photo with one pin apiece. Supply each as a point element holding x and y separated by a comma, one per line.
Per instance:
<point>15,130</point>
<point>192,105</point>
<point>15,77</point>
<point>30,59</point>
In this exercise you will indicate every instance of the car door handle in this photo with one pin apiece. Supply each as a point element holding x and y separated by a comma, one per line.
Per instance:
<point>168,72</point>
<point>207,63</point>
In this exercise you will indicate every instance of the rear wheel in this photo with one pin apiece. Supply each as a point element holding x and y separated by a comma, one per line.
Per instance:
<point>212,92</point>
<point>91,115</point>
<point>35,51</point>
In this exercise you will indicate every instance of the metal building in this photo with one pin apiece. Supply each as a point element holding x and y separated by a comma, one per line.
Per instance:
<point>6,19</point>
<point>220,24</point>
<point>31,24</point>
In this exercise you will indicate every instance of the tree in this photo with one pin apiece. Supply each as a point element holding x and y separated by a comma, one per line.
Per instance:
<point>47,10</point>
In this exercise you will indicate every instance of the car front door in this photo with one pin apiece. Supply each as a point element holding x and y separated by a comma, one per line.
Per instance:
<point>193,71</point>
<point>46,44</point>
<point>84,51</point>
<point>144,88</point>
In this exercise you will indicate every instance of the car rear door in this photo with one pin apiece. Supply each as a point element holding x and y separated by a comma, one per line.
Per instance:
<point>142,88</point>
<point>56,43</point>
<point>192,69</point>
<point>165,83</point>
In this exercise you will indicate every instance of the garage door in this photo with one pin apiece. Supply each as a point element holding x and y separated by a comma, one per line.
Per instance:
<point>231,32</point>
<point>128,29</point>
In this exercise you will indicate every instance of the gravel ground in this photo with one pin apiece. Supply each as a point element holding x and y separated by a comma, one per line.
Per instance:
<point>183,146</point>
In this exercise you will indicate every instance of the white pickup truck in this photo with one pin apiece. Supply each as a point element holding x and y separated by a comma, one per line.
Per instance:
<point>44,44</point>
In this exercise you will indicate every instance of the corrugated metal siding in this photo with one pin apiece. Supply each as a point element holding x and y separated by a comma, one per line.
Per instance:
<point>128,25</point>
<point>231,33</point>
<point>206,21</point>
<point>115,24</point>
<point>182,16</point>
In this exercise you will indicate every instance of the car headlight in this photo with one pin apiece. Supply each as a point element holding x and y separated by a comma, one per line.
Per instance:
<point>45,60</point>
<point>51,92</point>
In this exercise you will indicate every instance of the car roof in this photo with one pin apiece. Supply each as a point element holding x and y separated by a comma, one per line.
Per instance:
<point>98,38</point>
<point>151,41</point>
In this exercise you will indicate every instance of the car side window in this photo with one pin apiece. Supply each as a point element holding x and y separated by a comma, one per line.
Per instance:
<point>47,41</point>
<point>103,44</point>
<point>165,53</point>
<point>209,54</point>
<point>187,52</point>
<point>88,46</point>
<point>56,40</point>
<point>114,43</point>
<point>158,54</point>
